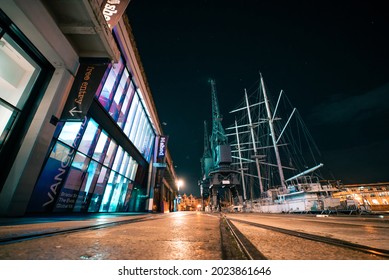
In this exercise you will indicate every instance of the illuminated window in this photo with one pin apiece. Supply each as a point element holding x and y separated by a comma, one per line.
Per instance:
<point>108,192</point>
<point>69,130</point>
<point>18,73</point>
<point>110,156</point>
<point>131,169</point>
<point>131,115</point>
<point>98,192</point>
<point>101,147</point>
<point>126,105</point>
<point>119,187</point>
<point>119,96</point>
<point>77,172</point>
<point>108,91</point>
<point>118,159</point>
<point>89,181</point>
<point>135,126</point>
<point>140,129</point>
<point>375,201</point>
<point>92,177</point>
<point>124,163</point>
<point>90,134</point>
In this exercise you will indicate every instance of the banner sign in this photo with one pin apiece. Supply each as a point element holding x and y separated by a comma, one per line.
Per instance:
<point>161,152</point>
<point>87,81</point>
<point>113,11</point>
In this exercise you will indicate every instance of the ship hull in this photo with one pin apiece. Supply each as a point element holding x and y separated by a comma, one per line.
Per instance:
<point>299,202</point>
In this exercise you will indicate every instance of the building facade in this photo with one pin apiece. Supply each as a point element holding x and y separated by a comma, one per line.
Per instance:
<point>79,128</point>
<point>190,203</point>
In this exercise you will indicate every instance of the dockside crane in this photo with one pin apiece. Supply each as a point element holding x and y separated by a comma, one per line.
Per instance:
<point>221,175</point>
<point>206,167</point>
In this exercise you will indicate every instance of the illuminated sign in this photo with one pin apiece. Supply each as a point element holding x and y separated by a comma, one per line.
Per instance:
<point>86,82</point>
<point>162,147</point>
<point>113,10</point>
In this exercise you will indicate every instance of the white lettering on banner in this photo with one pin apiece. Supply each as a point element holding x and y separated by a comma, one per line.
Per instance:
<point>162,143</point>
<point>65,162</point>
<point>110,9</point>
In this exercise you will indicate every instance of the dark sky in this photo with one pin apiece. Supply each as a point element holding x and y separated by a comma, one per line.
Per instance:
<point>330,57</point>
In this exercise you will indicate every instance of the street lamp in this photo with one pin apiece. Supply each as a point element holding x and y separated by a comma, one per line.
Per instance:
<point>179,184</point>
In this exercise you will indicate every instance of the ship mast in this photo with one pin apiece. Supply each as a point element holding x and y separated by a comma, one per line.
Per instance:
<point>256,156</point>
<point>240,163</point>
<point>273,136</point>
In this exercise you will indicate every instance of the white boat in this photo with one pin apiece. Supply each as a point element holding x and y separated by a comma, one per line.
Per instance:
<point>270,165</point>
<point>309,195</point>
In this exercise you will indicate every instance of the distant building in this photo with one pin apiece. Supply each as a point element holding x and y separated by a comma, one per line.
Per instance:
<point>189,203</point>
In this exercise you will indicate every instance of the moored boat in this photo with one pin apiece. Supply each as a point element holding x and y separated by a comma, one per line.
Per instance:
<point>265,150</point>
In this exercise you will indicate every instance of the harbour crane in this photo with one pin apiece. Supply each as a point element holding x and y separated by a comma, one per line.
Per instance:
<point>217,173</point>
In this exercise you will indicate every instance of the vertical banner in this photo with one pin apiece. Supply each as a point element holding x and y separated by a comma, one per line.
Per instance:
<point>160,153</point>
<point>162,145</point>
<point>86,82</point>
<point>113,11</point>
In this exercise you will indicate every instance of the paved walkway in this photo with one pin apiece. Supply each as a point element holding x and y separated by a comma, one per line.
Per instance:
<point>172,236</point>
<point>23,226</point>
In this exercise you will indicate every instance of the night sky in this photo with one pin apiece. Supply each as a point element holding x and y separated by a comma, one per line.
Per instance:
<point>331,58</point>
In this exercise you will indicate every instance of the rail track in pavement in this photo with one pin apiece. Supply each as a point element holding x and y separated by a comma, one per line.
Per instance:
<point>252,252</point>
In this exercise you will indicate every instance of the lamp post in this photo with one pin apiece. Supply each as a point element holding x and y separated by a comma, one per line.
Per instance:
<point>179,184</point>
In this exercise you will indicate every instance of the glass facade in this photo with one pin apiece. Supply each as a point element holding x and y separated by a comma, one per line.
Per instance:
<point>86,169</point>
<point>121,98</point>
<point>24,77</point>
<point>18,73</point>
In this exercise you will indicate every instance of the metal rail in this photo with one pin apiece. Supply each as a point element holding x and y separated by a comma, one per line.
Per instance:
<point>244,244</point>
<point>318,238</point>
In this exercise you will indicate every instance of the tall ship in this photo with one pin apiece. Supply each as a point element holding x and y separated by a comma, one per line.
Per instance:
<point>277,157</point>
<point>268,162</point>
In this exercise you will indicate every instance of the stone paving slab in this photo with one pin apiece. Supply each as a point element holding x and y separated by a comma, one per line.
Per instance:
<point>172,236</point>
